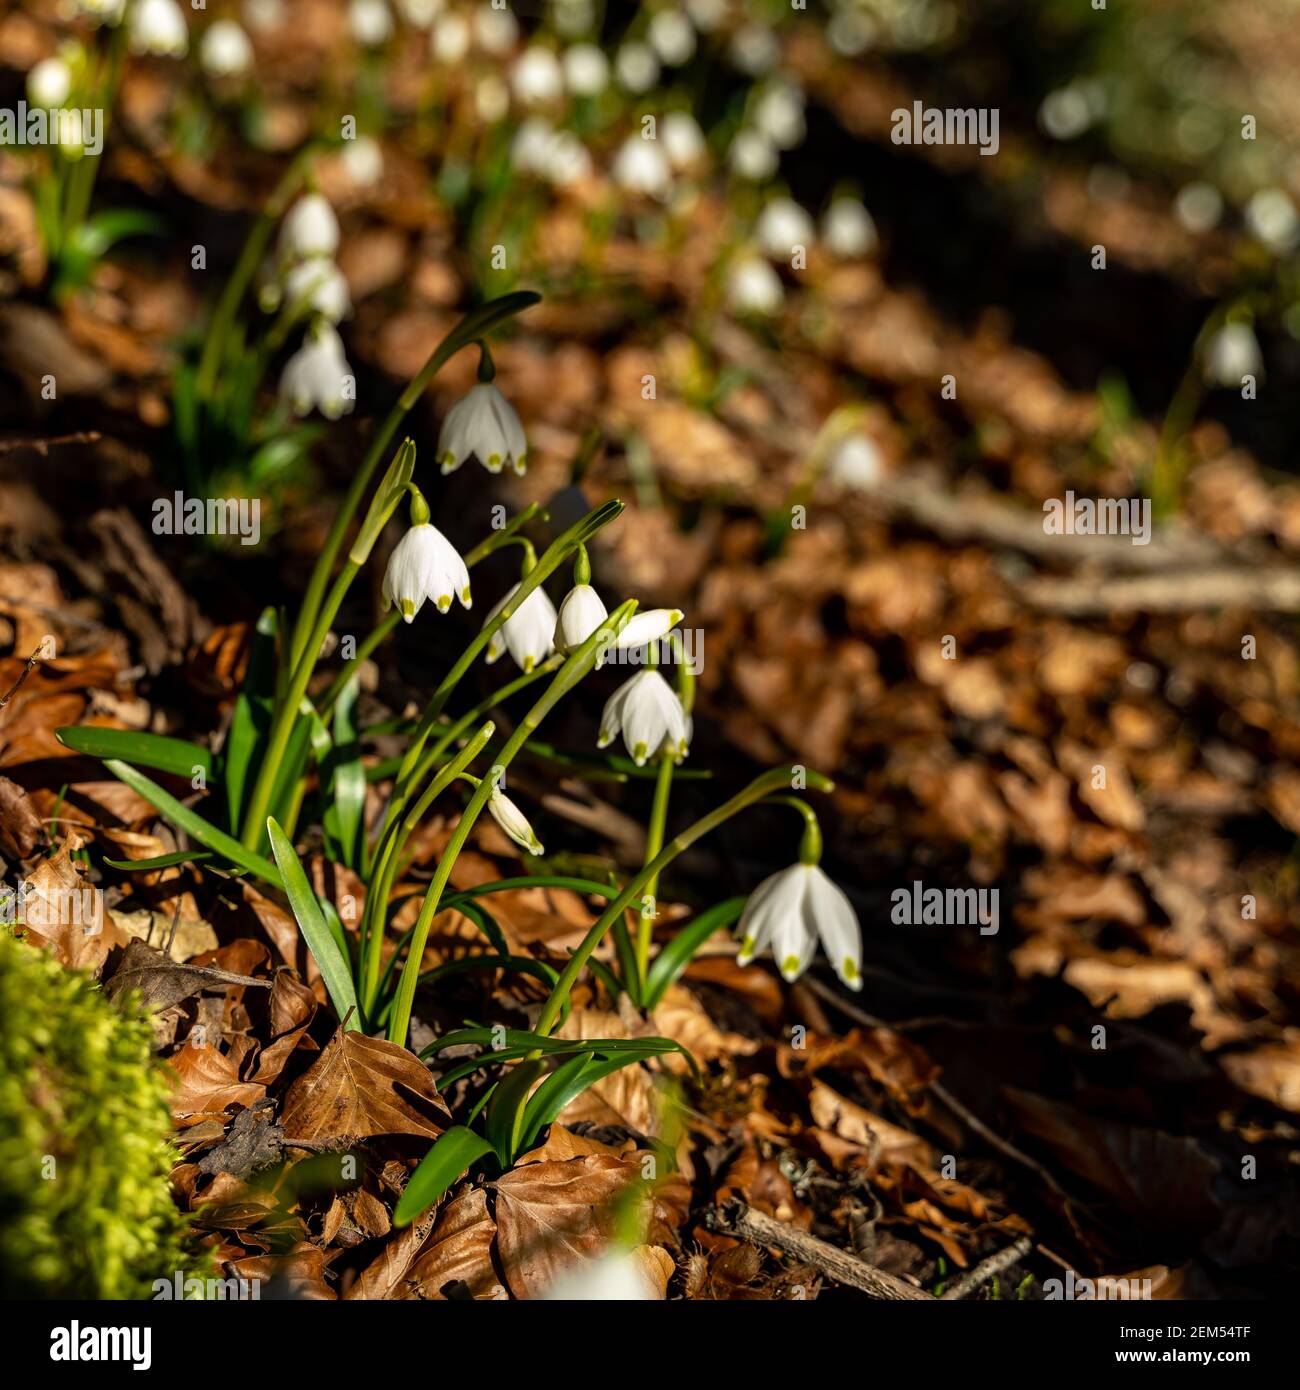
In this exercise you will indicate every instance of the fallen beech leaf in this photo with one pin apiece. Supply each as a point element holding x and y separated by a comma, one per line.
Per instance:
<point>551,1215</point>
<point>163,982</point>
<point>209,1082</point>
<point>459,1251</point>
<point>20,826</point>
<point>300,1274</point>
<point>360,1087</point>
<point>67,913</point>
<point>382,1277</point>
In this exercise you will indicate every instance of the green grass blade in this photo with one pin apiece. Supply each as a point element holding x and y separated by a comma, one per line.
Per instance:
<point>162,861</point>
<point>451,1154</point>
<point>251,720</point>
<point>503,1121</point>
<point>172,755</point>
<point>680,951</point>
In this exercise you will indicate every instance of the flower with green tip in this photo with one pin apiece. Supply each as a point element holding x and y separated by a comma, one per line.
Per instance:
<point>789,912</point>
<point>483,424</point>
<point>527,634</point>
<point>424,565</point>
<point>513,821</point>
<point>649,714</point>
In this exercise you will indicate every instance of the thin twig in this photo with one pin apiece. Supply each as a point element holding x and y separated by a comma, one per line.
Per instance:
<point>986,1269</point>
<point>737,1219</point>
<point>42,653</point>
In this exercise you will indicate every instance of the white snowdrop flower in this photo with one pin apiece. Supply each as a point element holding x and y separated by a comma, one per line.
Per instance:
<point>158,27</point>
<point>753,287</point>
<point>309,229</point>
<point>363,161</point>
<point>424,565</point>
<point>641,629</point>
<point>753,155</point>
<point>317,375</point>
<point>848,229</point>
<point>419,14</point>
<point>649,715</point>
<point>783,225</point>
<point>582,610</point>
<point>491,99</point>
<point>483,423</point>
<point>449,38</point>
<point>779,114</point>
<point>642,167</point>
<point>754,49</point>
<point>683,139</point>
<point>672,36</point>
<point>788,912</point>
<point>225,50</point>
<point>573,17</point>
<point>566,160</point>
<point>531,146</point>
<point>614,1277</point>
<point>1271,216</point>
<point>1233,353</point>
<point>636,68</point>
<point>100,11</point>
<point>586,70</point>
<point>537,77</point>
<point>497,31</point>
<point>49,83</point>
<point>1198,206</point>
<point>513,821</point>
<point>320,284</point>
<point>264,14</point>
<point>706,15</point>
<point>856,462</point>
<point>528,634</point>
<point>370,22</point>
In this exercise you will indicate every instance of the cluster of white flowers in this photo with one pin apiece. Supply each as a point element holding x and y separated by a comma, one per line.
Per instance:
<point>317,376</point>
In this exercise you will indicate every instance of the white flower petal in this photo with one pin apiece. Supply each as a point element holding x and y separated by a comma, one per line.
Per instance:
<point>836,925</point>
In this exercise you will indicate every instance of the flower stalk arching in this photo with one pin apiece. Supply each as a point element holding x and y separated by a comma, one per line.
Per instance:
<point>756,791</point>
<point>471,328</point>
<point>574,669</point>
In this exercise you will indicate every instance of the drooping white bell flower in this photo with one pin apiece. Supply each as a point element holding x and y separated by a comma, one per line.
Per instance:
<point>753,287</point>
<point>491,99</point>
<point>642,629</point>
<point>707,15</point>
<point>566,160</point>
<point>449,38</point>
<point>264,14</point>
<point>642,167</point>
<point>483,423</point>
<point>531,146</point>
<point>1233,353</point>
<point>614,1277</point>
<point>370,22</point>
<point>225,50</point>
<point>1272,217</point>
<point>425,565</point>
<point>419,14</point>
<point>582,610</point>
<point>636,68</point>
<point>783,225</point>
<point>513,821</point>
<point>363,161</point>
<point>497,31</point>
<point>49,83</point>
<point>108,12</point>
<point>158,27</point>
<point>753,155</point>
<point>857,463</point>
<point>586,70</point>
<point>528,634</point>
<point>317,376</point>
<point>754,49</point>
<point>789,912</point>
<point>1198,206</point>
<point>779,114</point>
<point>309,229</point>
<point>848,229</point>
<point>573,17</point>
<point>672,36</point>
<point>648,713</point>
<point>320,284</point>
<point>537,77</point>
<point>683,139</point>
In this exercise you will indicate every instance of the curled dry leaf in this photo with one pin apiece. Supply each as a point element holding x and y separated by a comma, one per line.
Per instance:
<point>457,1258</point>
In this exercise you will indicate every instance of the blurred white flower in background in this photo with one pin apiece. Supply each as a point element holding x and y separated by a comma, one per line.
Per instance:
<point>566,160</point>
<point>158,27</point>
<point>848,229</point>
<point>420,13</point>
<point>586,70</point>
<point>497,31</point>
<point>537,77</point>
<point>449,38</point>
<point>753,155</point>
<point>483,424</point>
<point>1271,216</point>
<point>1067,112</point>
<point>319,283</point>
<point>316,376</point>
<point>49,82</point>
<point>753,287</point>
<point>636,68</point>
<point>370,22</point>
<point>309,229</point>
<point>783,225</point>
<point>264,14</point>
<point>642,167</point>
<point>851,32</point>
<point>573,17</point>
<point>856,462</point>
<point>614,1277</point>
<point>683,139</point>
<point>706,15</point>
<point>1198,206</point>
<point>100,11</point>
<point>363,161</point>
<point>1233,353</point>
<point>754,49</point>
<point>779,114</point>
<point>672,36</point>
<point>225,50</point>
<point>491,99</point>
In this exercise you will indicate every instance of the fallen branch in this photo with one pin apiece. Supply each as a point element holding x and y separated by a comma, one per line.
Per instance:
<point>1274,590</point>
<point>986,1269</point>
<point>737,1219</point>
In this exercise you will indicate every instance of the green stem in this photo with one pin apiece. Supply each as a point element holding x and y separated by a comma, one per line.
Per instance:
<point>759,788</point>
<point>471,328</point>
<point>654,842</point>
